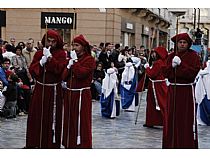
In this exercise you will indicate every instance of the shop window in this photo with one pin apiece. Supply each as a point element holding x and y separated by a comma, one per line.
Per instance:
<point>65,34</point>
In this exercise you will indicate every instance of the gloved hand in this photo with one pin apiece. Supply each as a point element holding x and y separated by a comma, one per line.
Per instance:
<point>176,61</point>
<point>73,55</point>
<point>203,72</point>
<point>43,60</point>
<point>4,89</point>
<point>46,52</point>
<point>71,62</point>
<point>146,65</point>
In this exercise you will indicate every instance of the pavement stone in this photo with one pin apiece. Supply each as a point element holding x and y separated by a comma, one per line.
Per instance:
<point>118,133</point>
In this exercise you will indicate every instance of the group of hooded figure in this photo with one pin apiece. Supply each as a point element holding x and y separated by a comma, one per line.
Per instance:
<point>61,116</point>
<point>110,101</point>
<point>50,124</point>
<point>173,96</point>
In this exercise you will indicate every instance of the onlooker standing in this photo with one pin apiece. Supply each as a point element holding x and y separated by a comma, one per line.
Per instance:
<point>22,44</point>
<point>39,46</point>
<point>104,56</point>
<point>29,51</point>
<point>98,76</point>
<point>8,54</point>
<point>12,43</point>
<point>20,64</point>
<point>183,66</point>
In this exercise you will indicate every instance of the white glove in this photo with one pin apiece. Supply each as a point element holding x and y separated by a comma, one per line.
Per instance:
<point>43,60</point>
<point>146,65</point>
<point>203,72</point>
<point>73,55</point>
<point>71,62</point>
<point>176,61</point>
<point>46,52</point>
<point>4,89</point>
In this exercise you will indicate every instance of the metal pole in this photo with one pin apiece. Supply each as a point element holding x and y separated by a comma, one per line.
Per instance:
<point>43,81</point>
<point>144,81</point>
<point>194,18</point>
<point>199,18</point>
<point>69,98</point>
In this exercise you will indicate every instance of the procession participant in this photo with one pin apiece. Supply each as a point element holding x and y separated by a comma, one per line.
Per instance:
<point>157,89</point>
<point>182,67</point>
<point>77,131</point>
<point>202,96</point>
<point>45,110</point>
<point>128,88</point>
<point>109,106</point>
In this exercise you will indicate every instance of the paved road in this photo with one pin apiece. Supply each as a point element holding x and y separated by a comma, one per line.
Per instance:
<point>115,133</point>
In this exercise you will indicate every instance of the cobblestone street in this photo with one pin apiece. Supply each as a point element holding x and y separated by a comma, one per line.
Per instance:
<point>120,132</point>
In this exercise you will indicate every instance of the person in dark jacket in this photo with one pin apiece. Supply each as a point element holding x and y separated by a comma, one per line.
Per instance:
<point>10,92</point>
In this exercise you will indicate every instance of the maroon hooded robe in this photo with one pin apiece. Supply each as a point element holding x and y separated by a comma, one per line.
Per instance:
<point>155,117</point>
<point>178,132</point>
<point>40,133</point>
<point>79,78</point>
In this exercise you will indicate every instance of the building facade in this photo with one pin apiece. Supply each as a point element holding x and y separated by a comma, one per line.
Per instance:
<point>129,27</point>
<point>192,19</point>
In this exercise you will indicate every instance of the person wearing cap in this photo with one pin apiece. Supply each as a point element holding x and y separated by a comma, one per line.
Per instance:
<point>78,74</point>
<point>157,89</point>
<point>181,70</point>
<point>45,110</point>
<point>109,106</point>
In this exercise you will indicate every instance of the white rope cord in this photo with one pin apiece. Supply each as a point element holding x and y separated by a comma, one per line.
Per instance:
<point>80,103</point>
<point>154,92</point>
<point>54,105</point>
<point>193,95</point>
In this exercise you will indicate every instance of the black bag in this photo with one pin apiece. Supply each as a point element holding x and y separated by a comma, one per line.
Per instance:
<point>119,64</point>
<point>21,71</point>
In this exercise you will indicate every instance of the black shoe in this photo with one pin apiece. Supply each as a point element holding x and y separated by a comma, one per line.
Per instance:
<point>148,126</point>
<point>145,125</point>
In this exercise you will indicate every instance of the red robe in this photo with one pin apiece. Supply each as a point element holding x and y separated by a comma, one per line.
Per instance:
<point>153,116</point>
<point>54,69</point>
<point>79,76</point>
<point>178,133</point>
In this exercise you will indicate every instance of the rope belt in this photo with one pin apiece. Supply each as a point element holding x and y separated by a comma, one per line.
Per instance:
<point>54,104</point>
<point>190,84</point>
<point>154,91</point>
<point>80,103</point>
<point>181,84</point>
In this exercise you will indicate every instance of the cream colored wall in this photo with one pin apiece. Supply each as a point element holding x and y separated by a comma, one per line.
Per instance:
<point>96,26</point>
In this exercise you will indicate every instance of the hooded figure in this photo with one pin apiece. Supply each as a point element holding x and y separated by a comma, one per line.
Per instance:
<point>77,128</point>
<point>202,96</point>
<point>128,87</point>
<point>45,110</point>
<point>181,69</point>
<point>81,40</point>
<point>182,36</point>
<point>109,107</point>
<point>157,89</point>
